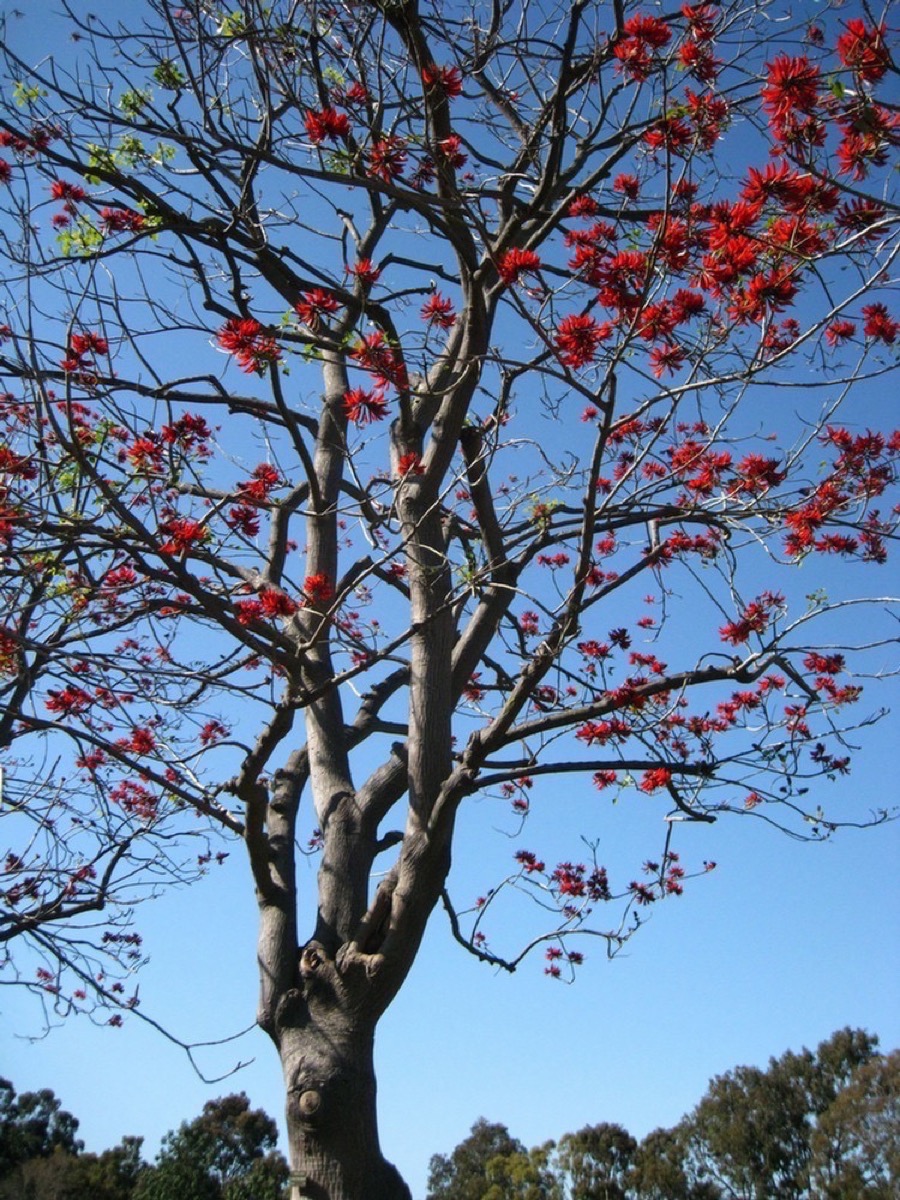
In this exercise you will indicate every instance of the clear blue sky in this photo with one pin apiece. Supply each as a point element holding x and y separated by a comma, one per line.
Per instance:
<point>781,945</point>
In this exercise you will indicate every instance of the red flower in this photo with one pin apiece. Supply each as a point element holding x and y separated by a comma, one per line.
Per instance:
<point>329,123</point>
<point>252,347</point>
<point>701,19</point>
<point>410,464</point>
<point>670,134</point>
<point>628,185</point>
<point>314,305</point>
<point>517,262</point>
<point>142,741</point>
<point>700,61</point>
<point>145,453</point>
<point>88,343</point>
<point>318,588</point>
<point>583,206</point>
<point>445,79</point>
<point>363,407</point>
<point>756,474</point>
<point>70,192</point>
<point>439,311</point>
<point>247,611</point>
<point>5,171</point>
<point>387,158</point>
<point>578,339</point>
<point>654,779</point>
<point>793,85</point>
<point>68,702</point>
<point>381,360</point>
<point>863,49</point>
<point>263,478</point>
<point>274,603</point>
<point>121,220</point>
<point>244,519</point>
<point>839,331</point>
<point>754,619</point>
<point>642,35</point>
<point>666,358</point>
<point>182,534</point>
<point>365,272</point>
<point>879,325</point>
<point>212,732</point>
<point>451,151</point>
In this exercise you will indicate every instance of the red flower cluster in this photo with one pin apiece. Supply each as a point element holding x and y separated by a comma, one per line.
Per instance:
<point>515,263</point>
<point>82,348</point>
<point>263,479</point>
<point>328,123</point>
<point>578,339</point>
<point>121,220</point>
<point>444,79</point>
<point>410,464</point>
<point>381,360</point>
<point>318,588</point>
<point>182,534</point>
<point>314,305</point>
<point>363,407</point>
<point>365,272</point>
<point>387,158</point>
<point>634,51</point>
<point>69,701</point>
<point>253,348</point>
<point>863,48</point>
<point>755,618</point>
<point>438,310</point>
<point>791,99</point>
<point>654,779</point>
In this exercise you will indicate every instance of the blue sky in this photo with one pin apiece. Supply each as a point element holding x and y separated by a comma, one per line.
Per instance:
<point>781,945</point>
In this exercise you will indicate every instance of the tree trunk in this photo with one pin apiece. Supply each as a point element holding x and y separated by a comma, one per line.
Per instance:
<point>326,1045</point>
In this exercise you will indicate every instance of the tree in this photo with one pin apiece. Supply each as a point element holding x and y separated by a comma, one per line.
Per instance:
<point>33,1125</point>
<point>65,1175</point>
<point>753,1132</point>
<point>227,1153</point>
<point>461,1175</point>
<point>659,1169</point>
<point>596,1161</point>
<point>856,1143</point>
<point>352,559</point>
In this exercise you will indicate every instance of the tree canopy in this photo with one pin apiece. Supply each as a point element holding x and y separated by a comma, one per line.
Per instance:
<point>411,402</point>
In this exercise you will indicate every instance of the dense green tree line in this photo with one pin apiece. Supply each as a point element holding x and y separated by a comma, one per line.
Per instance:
<point>227,1153</point>
<point>821,1125</point>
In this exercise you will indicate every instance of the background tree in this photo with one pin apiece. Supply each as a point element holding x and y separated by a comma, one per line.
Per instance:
<point>353,560</point>
<point>461,1175</point>
<point>65,1175</point>
<point>595,1162</point>
<point>856,1142</point>
<point>659,1170</point>
<point>812,1126</point>
<point>753,1131</point>
<point>33,1125</point>
<point>227,1153</point>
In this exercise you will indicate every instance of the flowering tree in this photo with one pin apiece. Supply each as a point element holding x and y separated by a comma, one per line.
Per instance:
<point>395,414</point>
